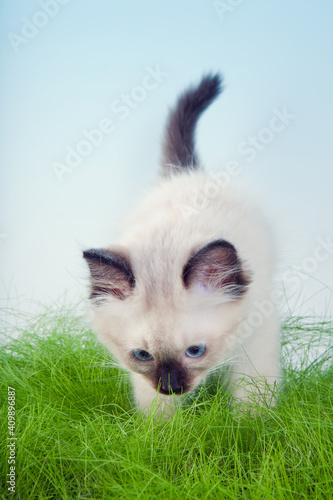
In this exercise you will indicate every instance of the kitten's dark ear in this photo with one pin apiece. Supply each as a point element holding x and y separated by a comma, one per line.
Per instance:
<point>215,268</point>
<point>111,274</point>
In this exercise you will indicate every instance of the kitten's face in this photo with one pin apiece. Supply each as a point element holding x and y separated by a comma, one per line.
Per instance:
<point>173,340</point>
<point>173,349</point>
<point>177,354</point>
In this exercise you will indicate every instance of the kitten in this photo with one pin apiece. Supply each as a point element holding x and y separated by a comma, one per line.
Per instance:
<point>181,292</point>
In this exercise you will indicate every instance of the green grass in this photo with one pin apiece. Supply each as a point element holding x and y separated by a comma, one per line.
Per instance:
<point>78,435</point>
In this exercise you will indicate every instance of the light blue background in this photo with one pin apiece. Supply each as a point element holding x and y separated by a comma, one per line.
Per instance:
<point>65,78</point>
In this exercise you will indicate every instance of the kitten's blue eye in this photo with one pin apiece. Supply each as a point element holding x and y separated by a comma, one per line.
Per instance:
<point>195,351</point>
<point>142,355</point>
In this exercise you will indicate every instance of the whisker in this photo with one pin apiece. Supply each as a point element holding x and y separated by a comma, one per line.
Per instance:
<point>225,362</point>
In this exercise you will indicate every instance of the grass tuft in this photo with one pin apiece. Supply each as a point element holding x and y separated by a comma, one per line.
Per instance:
<point>78,435</point>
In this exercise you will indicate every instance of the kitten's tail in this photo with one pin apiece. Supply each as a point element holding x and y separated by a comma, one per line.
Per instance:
<point>179,149</point>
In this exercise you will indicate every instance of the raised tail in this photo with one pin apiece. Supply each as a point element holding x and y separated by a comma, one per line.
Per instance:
<point>179,144</point>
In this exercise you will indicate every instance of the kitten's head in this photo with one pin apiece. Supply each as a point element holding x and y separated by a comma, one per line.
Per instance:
<point>170,319</point>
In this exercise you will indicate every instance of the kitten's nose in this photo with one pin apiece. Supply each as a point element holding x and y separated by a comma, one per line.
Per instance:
<point>167,387</point>
<point>171,378</point>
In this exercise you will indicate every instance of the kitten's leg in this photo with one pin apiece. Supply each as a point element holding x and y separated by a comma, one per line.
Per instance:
<point>146,397</point>
<point>257,370</point>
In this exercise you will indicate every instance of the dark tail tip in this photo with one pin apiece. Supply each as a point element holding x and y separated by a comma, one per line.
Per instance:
<point>179,143</point>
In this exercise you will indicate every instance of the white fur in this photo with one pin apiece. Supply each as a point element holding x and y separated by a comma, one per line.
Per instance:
<point>162,316</point>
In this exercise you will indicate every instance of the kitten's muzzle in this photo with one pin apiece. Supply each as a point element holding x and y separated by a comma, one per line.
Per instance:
<point>171,377</point>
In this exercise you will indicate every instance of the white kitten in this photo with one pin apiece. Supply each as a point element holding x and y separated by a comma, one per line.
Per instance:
<point>181,292</point>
